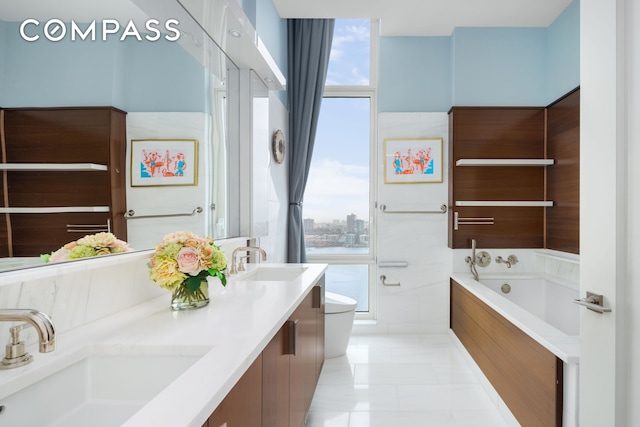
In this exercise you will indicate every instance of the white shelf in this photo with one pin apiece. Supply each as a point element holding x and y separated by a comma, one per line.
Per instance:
<point>48,210</point>
<point>489,203</point>
<point>73,167</point>
<point>504,162</point>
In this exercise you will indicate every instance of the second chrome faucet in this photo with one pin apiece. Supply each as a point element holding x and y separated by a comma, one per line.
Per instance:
<point>235,268</point>
<point>16,355</point>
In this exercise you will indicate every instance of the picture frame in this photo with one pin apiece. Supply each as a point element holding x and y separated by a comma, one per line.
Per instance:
<point>162,162</point>
<point>412,160</point>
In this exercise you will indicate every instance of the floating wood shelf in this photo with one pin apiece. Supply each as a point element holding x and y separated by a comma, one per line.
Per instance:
<point>506,203</point>
<point>504,162</point>
<point>57,167</point>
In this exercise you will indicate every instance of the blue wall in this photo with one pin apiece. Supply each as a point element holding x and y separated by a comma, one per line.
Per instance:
<point>131,75</point>
<point>2,57</point>
<point>498,66</point>
<point>563,48</point>
<point>481,66</point>
<point>415,74</point>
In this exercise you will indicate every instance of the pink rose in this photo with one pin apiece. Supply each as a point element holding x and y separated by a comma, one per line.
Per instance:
<point>188,261</point>
<point>60,255</point>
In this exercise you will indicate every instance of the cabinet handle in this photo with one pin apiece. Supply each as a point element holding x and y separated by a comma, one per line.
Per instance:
<point>292,337</point>
<point>317,297</point>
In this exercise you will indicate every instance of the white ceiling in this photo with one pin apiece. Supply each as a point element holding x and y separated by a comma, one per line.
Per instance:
<point>429,17</point>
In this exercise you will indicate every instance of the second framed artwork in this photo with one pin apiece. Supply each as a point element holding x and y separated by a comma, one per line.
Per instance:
<point>157,162</point>
<point>412,160</point>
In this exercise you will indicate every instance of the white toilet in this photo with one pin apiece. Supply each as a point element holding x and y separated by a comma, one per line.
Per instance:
<point>339,314</point>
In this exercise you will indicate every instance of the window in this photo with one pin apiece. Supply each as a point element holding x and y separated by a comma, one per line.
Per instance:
<point>338,198</point>
<point>350,61</point>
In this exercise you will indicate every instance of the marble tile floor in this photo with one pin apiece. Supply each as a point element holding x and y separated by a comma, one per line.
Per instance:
<point>401,381</point>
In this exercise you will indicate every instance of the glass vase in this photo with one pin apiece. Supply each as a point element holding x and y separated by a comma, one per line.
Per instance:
<point>184,299</point>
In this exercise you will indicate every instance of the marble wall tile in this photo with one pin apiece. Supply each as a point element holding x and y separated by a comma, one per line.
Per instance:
<point>421,303</point>
<point>74,299</point>
<point>557,266</point>
<point>158,200</point>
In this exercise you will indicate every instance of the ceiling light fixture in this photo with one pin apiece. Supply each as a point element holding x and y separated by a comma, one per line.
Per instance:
<point>235,33</point>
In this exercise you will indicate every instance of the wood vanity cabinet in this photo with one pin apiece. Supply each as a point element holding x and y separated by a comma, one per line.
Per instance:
<point>242,406</point>
<point>302,361</point>
<point>276,391</point>
<point>71,159</point>
<point>292,362</point>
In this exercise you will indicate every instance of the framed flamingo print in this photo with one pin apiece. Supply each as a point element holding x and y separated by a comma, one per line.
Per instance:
<point>412,160</point>
<point>156,162</point>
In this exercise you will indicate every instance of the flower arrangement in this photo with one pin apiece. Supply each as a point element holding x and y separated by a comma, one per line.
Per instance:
<point>89,246</point>
<point>183,260</point>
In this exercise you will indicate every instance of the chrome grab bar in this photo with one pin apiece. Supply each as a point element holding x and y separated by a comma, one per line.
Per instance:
<point>443,209</point>
<point>383,279</point>
<point>386,264</point>
<point>130,214</point>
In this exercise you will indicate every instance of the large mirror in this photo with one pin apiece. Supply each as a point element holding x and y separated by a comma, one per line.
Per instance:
<point>171,79</point>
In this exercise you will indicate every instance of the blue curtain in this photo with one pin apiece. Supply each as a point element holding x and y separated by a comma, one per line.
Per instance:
<point>309,46</point>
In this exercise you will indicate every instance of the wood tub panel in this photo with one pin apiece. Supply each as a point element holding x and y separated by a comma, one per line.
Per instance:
<point>527,376</point>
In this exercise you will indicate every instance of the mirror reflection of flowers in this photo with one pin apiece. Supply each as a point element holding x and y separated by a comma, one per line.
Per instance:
<point>184,257</point>
<point>89,246</point>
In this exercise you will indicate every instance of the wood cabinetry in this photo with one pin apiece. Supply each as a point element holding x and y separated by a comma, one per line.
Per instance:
<point>563,178</point>
<point>496,177</point>
<point>319,308</point>
<point>514,176</point>
<point>63,176</point>
<point>243,405</point>
<point>276,380</point>
<point>527,376</point>
<point>302,367</point>
<point>276,391</point>
<point>292,362</point>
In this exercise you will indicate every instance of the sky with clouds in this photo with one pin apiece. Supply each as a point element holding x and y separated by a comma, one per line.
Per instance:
<point>349,62</point>
<point>338,183</point>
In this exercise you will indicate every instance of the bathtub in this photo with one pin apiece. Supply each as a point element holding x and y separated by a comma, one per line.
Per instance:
<point>534,309</point>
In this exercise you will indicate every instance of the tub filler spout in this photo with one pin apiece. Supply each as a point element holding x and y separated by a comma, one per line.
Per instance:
<point>471,260</point>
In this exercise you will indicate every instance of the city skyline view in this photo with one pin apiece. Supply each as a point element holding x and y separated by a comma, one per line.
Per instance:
<point>348,233</point>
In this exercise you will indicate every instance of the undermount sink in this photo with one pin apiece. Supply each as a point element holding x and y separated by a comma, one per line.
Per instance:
<point>273,274</point>
<point>100,389</point>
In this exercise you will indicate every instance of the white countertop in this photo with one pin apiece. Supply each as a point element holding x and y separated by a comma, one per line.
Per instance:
<point>234,329</point>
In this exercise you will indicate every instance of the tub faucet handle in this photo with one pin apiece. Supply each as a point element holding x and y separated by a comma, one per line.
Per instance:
<point>511,260</point>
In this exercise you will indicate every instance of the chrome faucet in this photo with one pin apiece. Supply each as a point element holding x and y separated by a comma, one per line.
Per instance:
<point>511,260</point>
<point>16,355</point>
<point>471,260</point>
<point>235,269</point>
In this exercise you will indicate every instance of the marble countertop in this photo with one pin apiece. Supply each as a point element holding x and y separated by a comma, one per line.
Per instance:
<point>231,332</point>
